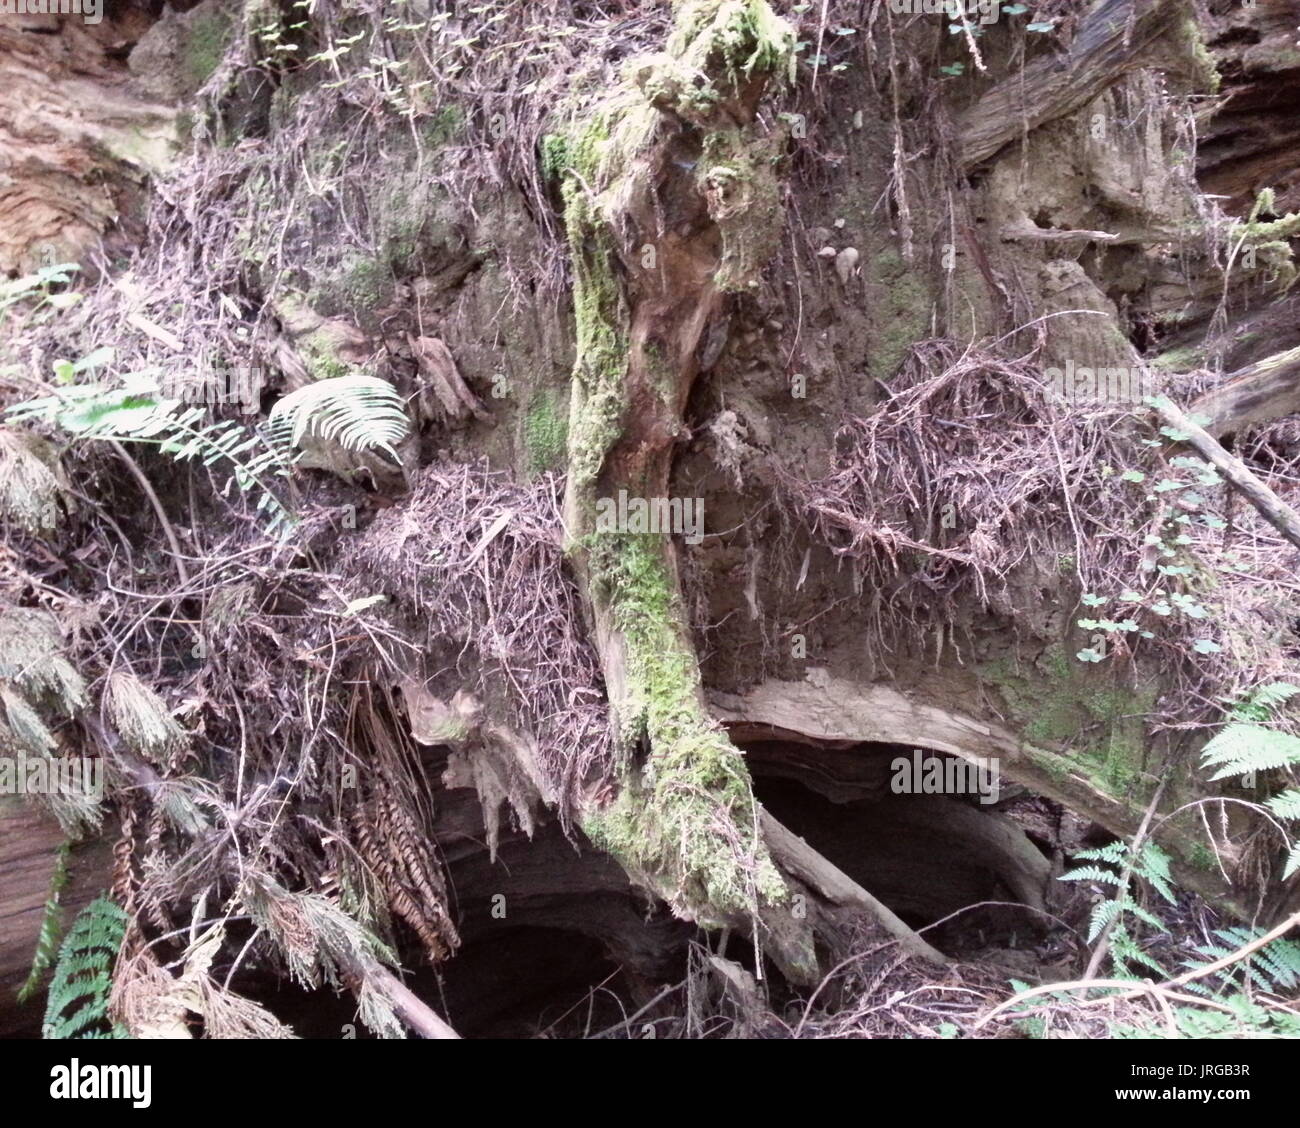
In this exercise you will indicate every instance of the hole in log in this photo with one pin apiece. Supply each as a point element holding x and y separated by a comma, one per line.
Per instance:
<point>929,857</point>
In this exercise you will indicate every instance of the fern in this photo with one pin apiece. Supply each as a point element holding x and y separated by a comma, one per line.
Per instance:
<point>47,941</point>
<point>38,285</point>
<point>1275,967</point>
<point>1259,706</point>
<point>361,413</point>
<point>136,412</point>
<point>1244,748</point>
<point>77,1005</point>
<point>1150,864</point>
<point>1246,1019</point>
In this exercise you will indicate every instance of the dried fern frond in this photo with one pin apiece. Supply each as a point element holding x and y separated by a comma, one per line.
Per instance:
<point>320,942</point>
<point>143,720</point>
<point>154,1005</point>
<point>25,726</point>
<point>31,657</point>
<point>31,486</point>
<point>78,810</point>
<point>182,800</point>
<point>377,1013</point>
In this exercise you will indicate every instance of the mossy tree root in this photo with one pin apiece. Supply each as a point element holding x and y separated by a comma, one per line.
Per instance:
<point>671,201</point>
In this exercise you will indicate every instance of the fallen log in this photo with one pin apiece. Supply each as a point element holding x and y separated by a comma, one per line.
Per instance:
<point>794,855</point>
<point>1115,38</point>
<point>1268,389</point>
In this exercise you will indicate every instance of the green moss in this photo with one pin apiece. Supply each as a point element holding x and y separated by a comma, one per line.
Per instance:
<point>687,818</point>
<point>546,433</point>
<point>1182,359</point>
<point>1206,73</point>
<point>1202,857</point>
<point>902,318</point>
<point>1059,703</point>
<point>555,155</point>
<point>317,350</point>
<point>442,126</point>
<point>205,45</point>
<point>751,39</point>
<point>364,283</point>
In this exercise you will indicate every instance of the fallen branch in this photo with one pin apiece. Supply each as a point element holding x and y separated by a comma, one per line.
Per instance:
<point>795,856</point>
<point>408,1006</point>
<point>1271,507</point>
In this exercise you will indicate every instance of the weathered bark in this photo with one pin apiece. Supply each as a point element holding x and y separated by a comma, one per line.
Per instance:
<point>1116,37</point>
<point>29,840</point>
<point>75,137</point>
<point>645,294</point>
<point>1268,389</point>
<point>838,711</point>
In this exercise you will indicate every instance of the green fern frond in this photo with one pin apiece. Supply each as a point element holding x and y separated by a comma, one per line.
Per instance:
<point>137,412</point>
<point>1292,862</point>
<point>1103,912</point>
<point>1146,917</point>
<point>1261,703</point>
<point>1244,748</point>
<point>1275,967</point>
<point>1128,952</point>
<point>1153,865</point>
<point>47,940</point>
<point>1286,805</point>
<point>361,413</point>
<point>1091,873</point>
<point>1113,852</point>
<point>77,1005</point>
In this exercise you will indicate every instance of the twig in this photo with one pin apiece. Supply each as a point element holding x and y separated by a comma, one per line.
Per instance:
<point>149,493</point>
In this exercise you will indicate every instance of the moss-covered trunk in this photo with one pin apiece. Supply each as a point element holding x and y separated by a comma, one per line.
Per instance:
<point>671,203</point>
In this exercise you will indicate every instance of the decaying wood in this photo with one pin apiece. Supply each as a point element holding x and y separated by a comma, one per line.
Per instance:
<point>29,841</point>
<point>74,136</point>
<point>439,366</point>
<point>1268,389</point>
<point>1113,40</point>
<point>837,710</point>
<point>1271,507</point>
